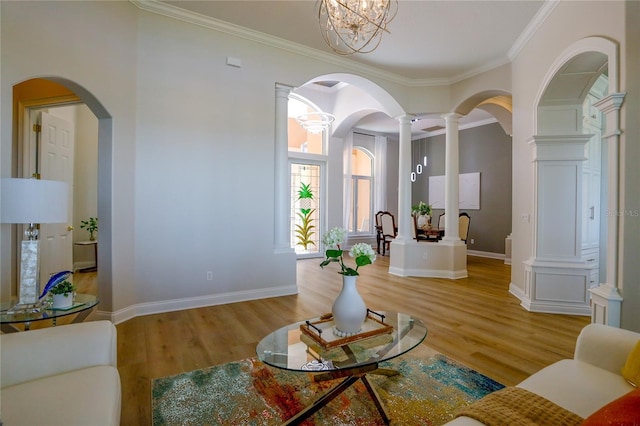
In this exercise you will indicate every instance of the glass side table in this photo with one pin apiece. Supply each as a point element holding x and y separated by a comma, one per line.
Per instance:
<point>290,349</point>
<point>83,306</point>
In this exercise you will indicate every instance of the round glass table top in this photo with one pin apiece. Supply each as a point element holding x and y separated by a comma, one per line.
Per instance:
<point>81,303</point>
<point>289,348</point>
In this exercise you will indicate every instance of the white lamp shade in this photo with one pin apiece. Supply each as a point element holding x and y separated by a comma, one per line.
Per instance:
<point>34,201</point>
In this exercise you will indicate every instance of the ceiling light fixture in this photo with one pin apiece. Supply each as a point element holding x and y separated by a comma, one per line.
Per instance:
<point>315,122</point>
<point>355,26</point>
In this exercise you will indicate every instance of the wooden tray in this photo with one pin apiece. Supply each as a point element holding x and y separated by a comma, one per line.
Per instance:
<point>321,331</point>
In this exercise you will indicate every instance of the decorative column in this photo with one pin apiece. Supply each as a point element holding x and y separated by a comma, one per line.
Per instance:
<point>404,183</point>
<point>606,299</point>
<point>451,178</point>
<point>282,196</point>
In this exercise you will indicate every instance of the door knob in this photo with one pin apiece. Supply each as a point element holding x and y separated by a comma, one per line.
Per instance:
<point>70,228</point>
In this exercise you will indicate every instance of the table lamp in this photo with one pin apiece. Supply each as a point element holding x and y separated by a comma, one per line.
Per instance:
<point>32,201</point>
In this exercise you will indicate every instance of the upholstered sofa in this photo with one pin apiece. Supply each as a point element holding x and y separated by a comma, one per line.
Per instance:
<point>63,375</point>
<point>588,382</point>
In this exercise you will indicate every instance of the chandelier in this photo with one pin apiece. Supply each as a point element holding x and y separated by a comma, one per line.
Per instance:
<point>315,122</point>
<point>355,26</point>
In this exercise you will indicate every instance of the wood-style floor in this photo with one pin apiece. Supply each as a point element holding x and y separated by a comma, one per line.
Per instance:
<point>473,320</point>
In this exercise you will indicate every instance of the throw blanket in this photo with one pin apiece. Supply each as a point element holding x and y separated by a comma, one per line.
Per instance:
<point>515,406</point>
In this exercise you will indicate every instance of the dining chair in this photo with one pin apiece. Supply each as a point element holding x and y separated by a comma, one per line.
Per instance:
<point>378,229</point>
<point>388,230</point>
<point>464,221</point>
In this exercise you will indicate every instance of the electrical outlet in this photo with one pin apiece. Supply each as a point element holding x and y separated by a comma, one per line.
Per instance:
<point>424,255</point>
<point>473,241</point>
<point>209,275</point>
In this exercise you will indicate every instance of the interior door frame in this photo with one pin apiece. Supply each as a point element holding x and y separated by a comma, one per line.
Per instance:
<point>27,142</point>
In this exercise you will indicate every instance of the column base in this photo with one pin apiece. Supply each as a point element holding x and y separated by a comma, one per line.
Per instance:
<point>428,259</point>
<point>556,287</point>
<point>606,303</point>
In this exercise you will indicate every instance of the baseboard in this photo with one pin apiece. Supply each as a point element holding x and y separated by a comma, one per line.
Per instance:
<point>77,266</point>
<point>428,273</point>
<point>197,302</point>
<point>487,254</point>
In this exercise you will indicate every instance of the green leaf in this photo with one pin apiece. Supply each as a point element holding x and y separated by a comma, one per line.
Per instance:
<point>350,272</point>
<point>363,260</point>
<point>327,261</point>
<point>334,253</point>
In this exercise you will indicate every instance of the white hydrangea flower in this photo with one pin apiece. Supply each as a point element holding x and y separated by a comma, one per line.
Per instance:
<point>334,237</point>
<point>363,249</point>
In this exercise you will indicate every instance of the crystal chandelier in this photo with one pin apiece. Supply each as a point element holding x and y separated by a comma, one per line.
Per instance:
<point>315,122</point>
<point>355,26</point>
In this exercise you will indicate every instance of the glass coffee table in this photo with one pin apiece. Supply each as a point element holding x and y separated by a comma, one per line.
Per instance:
<point>292,349</point>
<point>83,305</point>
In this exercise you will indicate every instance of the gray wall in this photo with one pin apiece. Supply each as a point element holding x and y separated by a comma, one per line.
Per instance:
<point>485,149</point>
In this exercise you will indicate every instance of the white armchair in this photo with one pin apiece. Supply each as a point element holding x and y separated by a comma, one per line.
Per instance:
<point>65,375</point>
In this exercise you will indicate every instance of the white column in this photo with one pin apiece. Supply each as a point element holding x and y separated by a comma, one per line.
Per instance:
<point>607,300</point>
<point>404,181</point>
<point>282,196</point>
<point>452,182</point>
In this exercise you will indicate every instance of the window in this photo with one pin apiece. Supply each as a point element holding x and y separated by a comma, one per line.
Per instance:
<point>307,164</point>
<point>299,139</point>
<point>361,217</point>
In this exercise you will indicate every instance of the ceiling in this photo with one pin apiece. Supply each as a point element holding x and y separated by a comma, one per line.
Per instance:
<point>428,41</point>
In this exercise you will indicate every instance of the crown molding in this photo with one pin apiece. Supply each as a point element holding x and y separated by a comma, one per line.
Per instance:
<point>171,11</point>
<point>532,28</point>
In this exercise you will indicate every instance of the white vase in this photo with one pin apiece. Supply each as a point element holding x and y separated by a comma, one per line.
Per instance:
<point>423,220</point>
<point>61,301</point>
<point>349,310</point>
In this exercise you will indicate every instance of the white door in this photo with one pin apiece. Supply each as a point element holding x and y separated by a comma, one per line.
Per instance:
<point>56,163</point>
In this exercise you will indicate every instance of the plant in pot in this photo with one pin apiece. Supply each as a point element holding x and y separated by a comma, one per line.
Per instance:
<point>423,212</point>
<point>91,226</point>
<point>62,294</point>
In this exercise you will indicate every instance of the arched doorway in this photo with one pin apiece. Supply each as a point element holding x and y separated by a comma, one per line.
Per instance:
<point>77,93</point>
<point>570,168</point>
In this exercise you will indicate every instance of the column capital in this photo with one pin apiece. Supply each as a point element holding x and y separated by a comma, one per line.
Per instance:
<point>282,90</point>
<point>405,118</point>
<point>451,116</point>
<point>612,102</point>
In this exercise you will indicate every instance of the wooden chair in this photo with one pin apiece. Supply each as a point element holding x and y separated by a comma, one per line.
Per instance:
<point>388,230</point>
<point>378,229</point>
<point>464,221</point>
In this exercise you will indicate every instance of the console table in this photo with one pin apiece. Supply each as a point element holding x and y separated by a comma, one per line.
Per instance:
<point>83,305</point>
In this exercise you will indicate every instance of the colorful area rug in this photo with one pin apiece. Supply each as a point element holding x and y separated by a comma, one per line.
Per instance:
<point>429,391</point>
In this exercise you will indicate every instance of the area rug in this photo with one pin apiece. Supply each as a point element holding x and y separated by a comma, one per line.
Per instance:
<point>429,390</point>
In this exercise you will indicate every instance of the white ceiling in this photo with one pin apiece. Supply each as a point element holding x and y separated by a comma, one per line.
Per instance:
<point>430,41</point>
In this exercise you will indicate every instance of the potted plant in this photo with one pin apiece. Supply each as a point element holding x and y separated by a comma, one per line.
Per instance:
<point>62,294</point>
<point>423,212</point>
<point>90,225</point>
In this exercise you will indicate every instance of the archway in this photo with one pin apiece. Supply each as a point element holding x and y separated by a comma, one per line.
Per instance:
<point>105,290</point>
<point>564,268</point>
<point>350,99</point>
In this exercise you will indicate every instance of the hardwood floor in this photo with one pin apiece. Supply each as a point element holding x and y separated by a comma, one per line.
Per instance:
<point>473,320</point>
